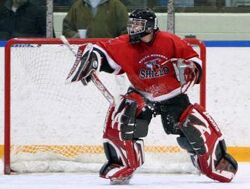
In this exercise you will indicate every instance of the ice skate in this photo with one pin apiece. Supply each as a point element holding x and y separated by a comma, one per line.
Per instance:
<point>121,181</point>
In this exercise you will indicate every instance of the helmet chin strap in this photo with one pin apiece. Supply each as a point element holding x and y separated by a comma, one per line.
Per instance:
<point>133,39</point>
<point>146,38</point>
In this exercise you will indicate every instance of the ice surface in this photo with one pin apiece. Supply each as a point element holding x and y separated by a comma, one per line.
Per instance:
<point>139,181</point>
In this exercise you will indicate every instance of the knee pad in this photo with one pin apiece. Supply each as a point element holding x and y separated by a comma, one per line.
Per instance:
<point>204,140</point>
<point>131,117</point>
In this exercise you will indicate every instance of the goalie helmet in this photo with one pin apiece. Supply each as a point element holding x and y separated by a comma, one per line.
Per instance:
<point>141,23</point>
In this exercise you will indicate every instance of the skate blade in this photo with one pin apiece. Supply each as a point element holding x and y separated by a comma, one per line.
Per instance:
<point>123,181</point>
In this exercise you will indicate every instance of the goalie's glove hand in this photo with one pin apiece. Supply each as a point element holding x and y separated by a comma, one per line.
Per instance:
<point>87,62</point>
<point>185,71</point>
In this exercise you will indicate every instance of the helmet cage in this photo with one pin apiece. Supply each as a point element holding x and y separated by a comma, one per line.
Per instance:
<point>136,26</point>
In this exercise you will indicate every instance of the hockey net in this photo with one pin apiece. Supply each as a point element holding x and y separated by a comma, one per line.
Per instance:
<point>54,127</point>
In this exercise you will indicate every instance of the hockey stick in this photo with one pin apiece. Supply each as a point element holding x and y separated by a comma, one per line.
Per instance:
<point>94,78</point>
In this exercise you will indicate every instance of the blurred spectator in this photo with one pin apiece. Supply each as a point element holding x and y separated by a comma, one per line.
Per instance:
<point>137,3</point>
<point>152,3</point>
<point>101,18</point>
<point>2,2</point>
<point>21,18</point>
<point>145,3</point>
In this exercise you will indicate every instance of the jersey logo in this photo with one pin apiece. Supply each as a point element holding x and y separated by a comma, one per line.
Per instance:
<point>149,73</point>
<point>153,67</point>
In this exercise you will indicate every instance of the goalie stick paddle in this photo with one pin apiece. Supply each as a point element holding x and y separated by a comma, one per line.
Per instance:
<point>94,78</point>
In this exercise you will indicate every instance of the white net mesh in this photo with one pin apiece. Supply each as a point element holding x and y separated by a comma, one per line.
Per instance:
<point>58,127</point>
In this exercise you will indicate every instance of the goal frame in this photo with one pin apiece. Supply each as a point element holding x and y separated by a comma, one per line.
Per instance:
<point>7,81</point>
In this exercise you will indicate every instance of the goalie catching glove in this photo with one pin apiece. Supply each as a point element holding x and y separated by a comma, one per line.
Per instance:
<point>87,62</point>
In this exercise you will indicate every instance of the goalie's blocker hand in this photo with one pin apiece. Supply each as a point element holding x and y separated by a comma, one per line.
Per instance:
<point>86,63</point>
<point>185,71</point>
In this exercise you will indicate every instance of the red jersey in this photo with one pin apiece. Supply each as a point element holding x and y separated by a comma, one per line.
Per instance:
<point>147,65</point>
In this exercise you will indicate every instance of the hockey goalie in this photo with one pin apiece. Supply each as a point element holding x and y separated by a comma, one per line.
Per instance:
<point>161,68</point>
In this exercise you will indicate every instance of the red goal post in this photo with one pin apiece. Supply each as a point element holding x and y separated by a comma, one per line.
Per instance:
<point>43,41</point>
<point>202,48</point>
